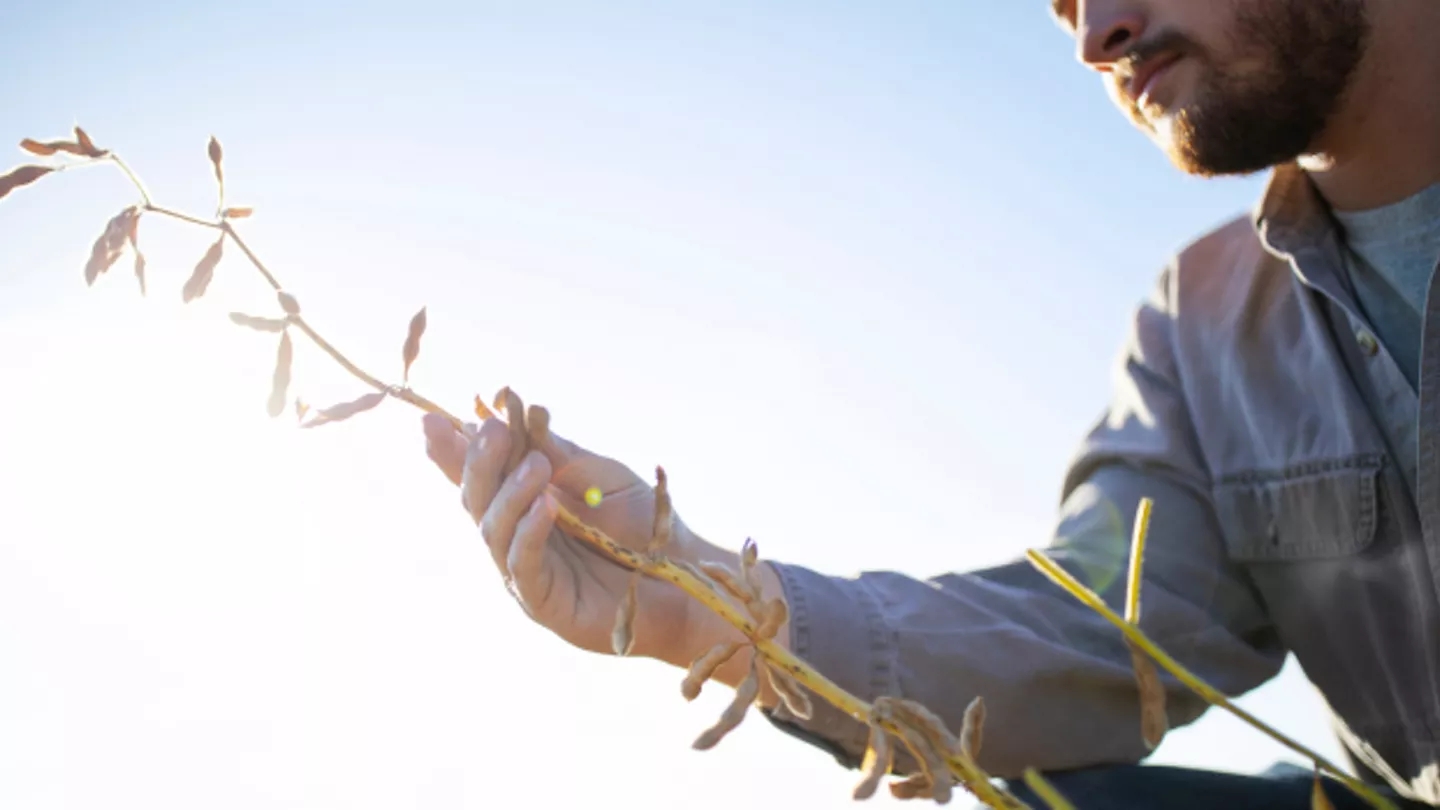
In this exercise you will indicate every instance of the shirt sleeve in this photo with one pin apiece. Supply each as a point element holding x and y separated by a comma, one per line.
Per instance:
<point>1056,677</point>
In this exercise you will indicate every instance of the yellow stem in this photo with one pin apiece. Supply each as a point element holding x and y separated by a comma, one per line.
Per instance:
<point>1077,589</point>
<point>1137,561</point>
<point>962,766</point>
<point>1046,791</point>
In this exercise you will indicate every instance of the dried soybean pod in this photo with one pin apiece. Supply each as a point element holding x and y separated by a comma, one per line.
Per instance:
<point>622,637</point>
<point>411,350</point>
<point>773,614</point>
<point>973,730</point>
<point>790,692</point>
<point>1153,721</point>
<point>915,786</point>
<point>87,146</point>
<point>217,157</point>
<point>726,579</point>
<point>289,303</point>
<point>199,280</point>
<point>22,176</point>
<point>35,147</point>
<point>926,723</point>
<point>746,694</point>
<point>274,325</point>
<point>932,765</point>
<point>879,758</point>
<point>110,244</point>
<point>344,410</point>
<point>660,531</point>
<point>280,380</point>
<point>749,557</point>
<point>482,411</point>
<point>703,668</point>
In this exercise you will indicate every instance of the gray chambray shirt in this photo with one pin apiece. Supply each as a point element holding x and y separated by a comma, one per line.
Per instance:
<point>1295,475</point>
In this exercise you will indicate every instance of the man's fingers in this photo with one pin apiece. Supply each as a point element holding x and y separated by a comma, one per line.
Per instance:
<point>445,446</point>
<point>484,464</point>
<point>514,498</point>
<point>526,561</point>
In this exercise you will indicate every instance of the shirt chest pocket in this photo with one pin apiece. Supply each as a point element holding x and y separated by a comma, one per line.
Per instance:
<point>1315,511</point>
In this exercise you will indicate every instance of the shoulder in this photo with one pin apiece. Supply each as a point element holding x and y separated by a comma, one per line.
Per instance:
<point>1220,273</point>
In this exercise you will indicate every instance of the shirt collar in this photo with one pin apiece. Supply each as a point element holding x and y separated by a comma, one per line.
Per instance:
<point>1290,215</point>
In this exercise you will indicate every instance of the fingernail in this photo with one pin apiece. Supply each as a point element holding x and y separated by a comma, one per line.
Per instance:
<point>525,467</point>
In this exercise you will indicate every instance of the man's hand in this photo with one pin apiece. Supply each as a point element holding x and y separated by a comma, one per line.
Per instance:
<point>567,586</point>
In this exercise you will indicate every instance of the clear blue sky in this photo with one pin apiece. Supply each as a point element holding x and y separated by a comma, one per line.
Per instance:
<point>855,276</point>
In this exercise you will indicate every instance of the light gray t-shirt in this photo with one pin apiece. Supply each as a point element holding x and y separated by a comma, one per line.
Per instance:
<point>1393,250</point>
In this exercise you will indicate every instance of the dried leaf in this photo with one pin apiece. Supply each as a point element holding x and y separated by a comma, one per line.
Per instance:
<point>110,244</point>
<point>22,176</point>
<point>204,272</point>
<point>288,302</point>
<point>273,325</point>
<point>1318,799</point>
<point>412,341</point>
<point>790,692</point>
<point>341,412</point>
<point>745,695</point>
<point>879,759</point>
<point>237,212</point>
<point>87,146</point>
<point>280,381</point>
<point>622,637</point>
<point>135,247</point>
<point>660,530</point>
<point>1153,721</point>
<point>703,668</point>
<point>973,729</point>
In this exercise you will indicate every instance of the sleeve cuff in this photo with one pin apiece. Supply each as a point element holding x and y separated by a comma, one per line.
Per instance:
<point>836,626</point>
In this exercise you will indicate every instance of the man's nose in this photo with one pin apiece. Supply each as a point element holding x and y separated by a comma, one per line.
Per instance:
<point>1107,31</point>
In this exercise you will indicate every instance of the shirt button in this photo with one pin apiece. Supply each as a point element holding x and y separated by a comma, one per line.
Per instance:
<point>1367,341</point>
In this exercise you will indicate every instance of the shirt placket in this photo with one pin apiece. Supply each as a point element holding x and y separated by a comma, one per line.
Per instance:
<point>1428,423</point>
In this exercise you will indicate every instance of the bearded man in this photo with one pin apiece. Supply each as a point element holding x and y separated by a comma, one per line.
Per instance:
<point>1277,398</point>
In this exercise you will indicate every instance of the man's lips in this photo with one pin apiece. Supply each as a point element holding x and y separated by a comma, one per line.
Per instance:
<point>1147,74</point>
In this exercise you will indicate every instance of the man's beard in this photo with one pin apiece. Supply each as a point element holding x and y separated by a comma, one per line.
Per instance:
<point>1269,97</point>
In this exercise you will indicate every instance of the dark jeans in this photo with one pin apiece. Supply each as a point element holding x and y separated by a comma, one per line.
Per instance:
<point>1141,787</point>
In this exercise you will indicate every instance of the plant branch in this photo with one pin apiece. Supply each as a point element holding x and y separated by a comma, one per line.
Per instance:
<point>182,216</point>
<point>134,178</point>
<point>1212,695</point>
<point>962,766</point>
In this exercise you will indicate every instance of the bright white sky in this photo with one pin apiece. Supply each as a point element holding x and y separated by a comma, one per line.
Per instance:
<point>855,277</point>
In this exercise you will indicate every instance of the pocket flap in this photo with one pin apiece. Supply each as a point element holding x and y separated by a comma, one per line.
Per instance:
<point>1311,511</point>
